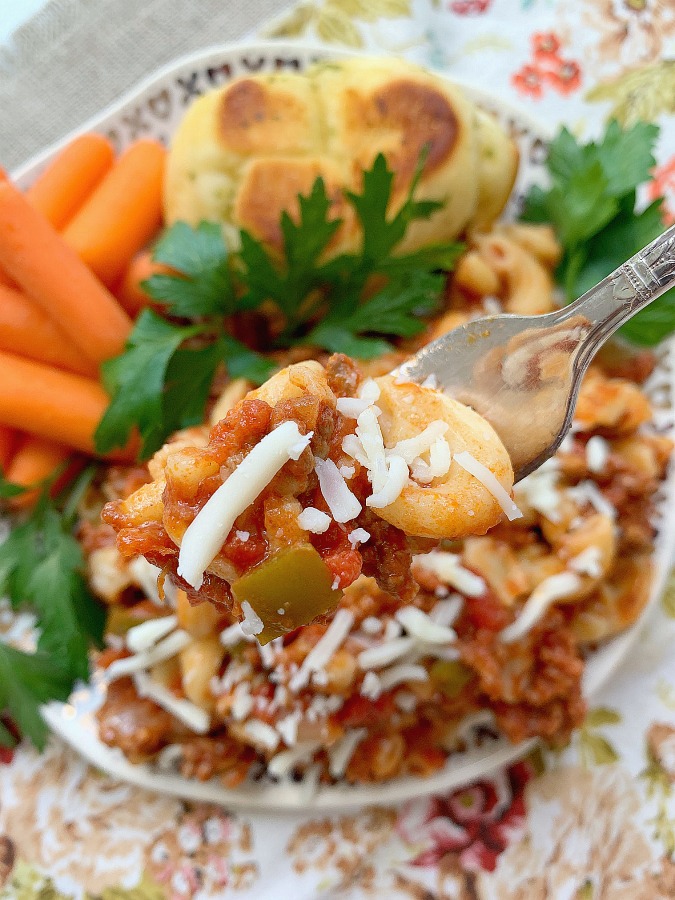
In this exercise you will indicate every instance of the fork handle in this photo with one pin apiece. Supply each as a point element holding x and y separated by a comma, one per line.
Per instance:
<point>627,290</point>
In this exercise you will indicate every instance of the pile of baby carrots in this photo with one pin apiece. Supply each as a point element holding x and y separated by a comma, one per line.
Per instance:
<point>72,256</point>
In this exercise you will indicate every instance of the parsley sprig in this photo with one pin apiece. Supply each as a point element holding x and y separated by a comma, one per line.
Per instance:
<point>42,569</point>
<point>352,303</point>
<point>592,205</point>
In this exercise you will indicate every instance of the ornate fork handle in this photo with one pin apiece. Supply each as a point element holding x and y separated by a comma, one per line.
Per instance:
<point>628,289</point>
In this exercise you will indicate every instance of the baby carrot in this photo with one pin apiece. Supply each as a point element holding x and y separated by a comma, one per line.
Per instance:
<point>122,214</point>
<point>48,402</point>
<point>50,273</point>
<point>129,292</point>
<point>71,177</point>
<point>25,329</point>
<point>36,459</point>
<point>8,442</point>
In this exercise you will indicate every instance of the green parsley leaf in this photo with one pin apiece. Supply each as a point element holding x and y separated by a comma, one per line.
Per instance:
<point>9,490</point>
<point>161,382</point>
<point>27,680</point>
<point>42,569</point>
<point>592,205</point>
<point>202,285</point>
<point>136,382</point>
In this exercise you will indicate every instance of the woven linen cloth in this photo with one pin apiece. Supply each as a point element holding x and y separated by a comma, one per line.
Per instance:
<point>76,56</point>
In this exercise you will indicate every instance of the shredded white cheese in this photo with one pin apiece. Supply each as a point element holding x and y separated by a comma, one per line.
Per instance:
<point>597,453</point>
<point>143,636</point>
<point>371,625</point>
<point>282,764</point>
<point>397,476</point>
<point>243,536</point>
<point>261,734</point>
<point>410,448</point>
<point>314,520</point>
<point>322,652</point>
<point>288,727</point>
<point>382,655</point>
<point>487,478</point>
<point>340,754</point>
<point>370,686</point>
<point>589,492</point>
<point>340,500</point>
<point>196,719</point>
<point>555,587</point>
<point>232,635</point>
<point>206,534</point>
<point>446,610</point>
<point>419,625</point>
<point>352,407</point>
<point>358,536</point>
<point>588,562</point>
<point>252,623</point>
<point>369,391</point>
<point>538,490</point>
<point>401,674</point>
<point>447,568</point>
<point>347,472</point>
<point>170,646</point>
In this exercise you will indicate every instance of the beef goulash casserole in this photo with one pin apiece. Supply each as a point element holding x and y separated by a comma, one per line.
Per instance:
<point>333,576</point>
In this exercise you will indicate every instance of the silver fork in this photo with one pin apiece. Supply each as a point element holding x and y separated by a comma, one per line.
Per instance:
<point>522,373</point>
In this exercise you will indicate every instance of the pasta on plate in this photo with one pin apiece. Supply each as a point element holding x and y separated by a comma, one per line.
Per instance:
<point>359,604</point>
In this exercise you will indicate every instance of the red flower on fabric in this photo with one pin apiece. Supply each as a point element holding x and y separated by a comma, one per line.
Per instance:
<point>476,823</point>
<point>470,7</point>
<point>529,80</point>
<point>566,78</point>
<point>547,67</point>
<point>7,753</point>
<point>545,46</point>
<point>663,185</point>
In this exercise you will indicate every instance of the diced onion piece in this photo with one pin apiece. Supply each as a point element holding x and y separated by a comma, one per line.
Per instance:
<point>314,520</point>
<point>396,480</point>
<point>487,478</point>
<point>261,734</point>
<point>206,534</point>
<point>447,568</point>
<point>411,448</point>
<point>252,623</point>
<point>378,657</point>
<point>340,754</point>
<point>418,624</point>
<point>322,652</point>
<point>282,764</point>
<point>553,588</point>
<point>340,500</point>
<point>170,646</point>
<point>400,674</point>
<point>143,636</point>
<point>196,719</point>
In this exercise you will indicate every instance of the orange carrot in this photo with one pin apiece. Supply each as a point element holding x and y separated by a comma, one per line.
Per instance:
<point>48,402</point>
<point>122,214</point>
<point>8,443</point>
<point>36,257</point>
<point>71,177</point>
<point>129,292</point>
<point>35,460</point>
<point>25,329</point>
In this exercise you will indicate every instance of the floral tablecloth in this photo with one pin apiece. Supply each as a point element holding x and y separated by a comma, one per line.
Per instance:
<point>597,821</point>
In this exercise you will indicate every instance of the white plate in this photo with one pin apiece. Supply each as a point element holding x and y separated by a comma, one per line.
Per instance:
<point>154,109</point>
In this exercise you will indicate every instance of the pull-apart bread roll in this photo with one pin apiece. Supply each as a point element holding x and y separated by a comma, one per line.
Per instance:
<point>309,481</point>
<point>244,152</point>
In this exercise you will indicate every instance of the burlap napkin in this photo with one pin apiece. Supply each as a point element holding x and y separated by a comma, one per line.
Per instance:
<point>76,56</point>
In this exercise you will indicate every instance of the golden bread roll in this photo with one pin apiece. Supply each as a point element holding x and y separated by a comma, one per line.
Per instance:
<point>244,152</point>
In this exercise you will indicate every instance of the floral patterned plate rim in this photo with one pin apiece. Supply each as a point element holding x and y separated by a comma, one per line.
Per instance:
<point>154,108</point>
